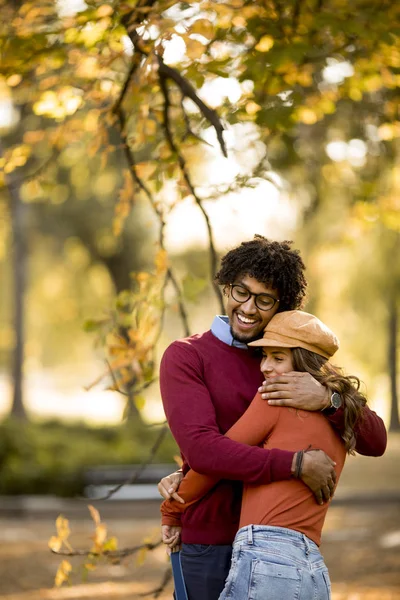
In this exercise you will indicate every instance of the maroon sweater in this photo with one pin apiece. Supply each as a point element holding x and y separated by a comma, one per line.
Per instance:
<point>206,386</point>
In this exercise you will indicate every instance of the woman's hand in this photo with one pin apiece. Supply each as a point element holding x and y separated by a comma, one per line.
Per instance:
<point>171,536</point>
<point>169,485</point>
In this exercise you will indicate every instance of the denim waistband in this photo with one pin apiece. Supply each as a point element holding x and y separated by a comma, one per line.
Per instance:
<point>257,533</point>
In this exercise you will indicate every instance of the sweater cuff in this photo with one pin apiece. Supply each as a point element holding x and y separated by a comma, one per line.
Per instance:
<point>337,419</point>
<point>281,464</point>
<point>171,521</point>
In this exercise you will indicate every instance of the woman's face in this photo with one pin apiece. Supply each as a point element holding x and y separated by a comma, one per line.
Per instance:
<point>276,361</point>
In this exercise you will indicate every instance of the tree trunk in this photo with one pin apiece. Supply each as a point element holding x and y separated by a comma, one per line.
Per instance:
<point>19,269</point>
<point>394,424</point>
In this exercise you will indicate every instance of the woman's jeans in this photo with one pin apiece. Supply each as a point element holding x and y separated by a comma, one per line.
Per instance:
<point>274,563</point>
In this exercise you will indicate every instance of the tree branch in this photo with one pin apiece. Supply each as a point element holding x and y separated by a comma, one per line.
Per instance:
<point>149,459</point>
<point>164,582</point>
<point>186,176</point>
<point>186,88</point>
<point>130,157</point>
<point>109,553</point>
<point>188,91</point>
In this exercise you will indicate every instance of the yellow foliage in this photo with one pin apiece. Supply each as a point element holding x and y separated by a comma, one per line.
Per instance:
<point>33,137</point>
<point>141,556</point>
<point>94,513</point>
<point>355,93</point>
<point>178,460</point>
<point>373,83</point>
<point>62,526</point>
<point>62,575</point>
<point>203,27</point>
<point>55,543</point>
<point>389,131</point>
<point>265,43</point>
<point>146,169</point>
<point>248,12</point>
<point>252,108</point>
<point>194,48</point>
<point>149,127</point>
<point>161,261</point>
<point>307,115</point>
<point>58,105</point>
<point>14,80</point>
<point>111,545</point>
<point>104,10</point>
<point>100,537</point>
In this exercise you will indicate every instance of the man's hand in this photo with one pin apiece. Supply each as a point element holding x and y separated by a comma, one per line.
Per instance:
<point>318,473</point>
<point>295,389</point>
<point>169,485</point>
<point>171,537</point>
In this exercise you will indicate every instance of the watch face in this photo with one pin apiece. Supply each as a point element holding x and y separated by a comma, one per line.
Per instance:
<point>336,400</point>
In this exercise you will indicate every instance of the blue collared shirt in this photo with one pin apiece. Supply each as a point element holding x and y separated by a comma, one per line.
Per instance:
<point>221,329</point>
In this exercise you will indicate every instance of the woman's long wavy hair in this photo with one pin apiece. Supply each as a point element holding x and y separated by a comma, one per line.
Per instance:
<point>347,386</point>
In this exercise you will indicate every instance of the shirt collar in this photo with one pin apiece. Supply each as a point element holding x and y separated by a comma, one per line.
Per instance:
<point>221,329</point>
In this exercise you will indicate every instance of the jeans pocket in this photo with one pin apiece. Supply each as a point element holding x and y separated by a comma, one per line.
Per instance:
<point>270,581</point>
<point>196,549</point>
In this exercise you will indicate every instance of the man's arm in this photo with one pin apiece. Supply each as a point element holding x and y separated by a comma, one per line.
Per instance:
<point>301,390</point>
<point>370,431</point>
<point>254,426</point>
<point>191,416</point>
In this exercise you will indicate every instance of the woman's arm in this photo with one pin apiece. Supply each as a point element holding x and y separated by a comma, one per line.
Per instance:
<point>252,428</point>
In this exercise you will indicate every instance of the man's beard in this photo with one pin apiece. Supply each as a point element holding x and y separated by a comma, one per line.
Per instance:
<point>244,339</point>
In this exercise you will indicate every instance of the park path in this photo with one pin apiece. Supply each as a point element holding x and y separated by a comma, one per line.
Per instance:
<point>361,546</point>
<point>361,541</point>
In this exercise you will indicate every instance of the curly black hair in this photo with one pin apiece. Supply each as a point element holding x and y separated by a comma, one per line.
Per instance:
<point>270,262</point>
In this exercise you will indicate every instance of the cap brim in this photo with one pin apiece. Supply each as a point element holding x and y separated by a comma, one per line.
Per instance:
<point>277,343</point>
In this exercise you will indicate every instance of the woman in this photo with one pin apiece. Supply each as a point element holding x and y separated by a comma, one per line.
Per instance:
<point>275,552</point>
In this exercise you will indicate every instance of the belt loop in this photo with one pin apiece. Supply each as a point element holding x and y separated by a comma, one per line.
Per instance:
<point>307,545</point>
<point>250,534</point>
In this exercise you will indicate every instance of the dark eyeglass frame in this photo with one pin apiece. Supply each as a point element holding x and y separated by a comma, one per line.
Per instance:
<point>249,295</point>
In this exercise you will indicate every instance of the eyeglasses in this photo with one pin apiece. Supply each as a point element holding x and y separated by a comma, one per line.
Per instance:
<point>242,294</point>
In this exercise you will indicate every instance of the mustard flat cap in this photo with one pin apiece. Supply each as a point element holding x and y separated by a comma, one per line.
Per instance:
<point>298,329</point>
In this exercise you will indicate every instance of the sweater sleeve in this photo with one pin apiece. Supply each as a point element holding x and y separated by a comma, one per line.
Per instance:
<point>252,428</point>
<point>370,431</point>
<point>191,416</point>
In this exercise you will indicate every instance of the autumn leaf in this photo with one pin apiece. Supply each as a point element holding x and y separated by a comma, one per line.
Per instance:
<point>100,537</point>
<point>265,44</point>
<point>55,543</point>
<point>94,513</point>
<point>111,545</point>
<point>203,27</point>
<point>194,48</point>
<point>142,553</point>
<point>145,170</point>
<point>62,526</point>
<point>63,572</point>
<point>178,460</point>
<point>161,261</point>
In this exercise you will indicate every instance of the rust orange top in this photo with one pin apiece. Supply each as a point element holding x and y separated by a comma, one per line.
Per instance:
<point>288,503</point>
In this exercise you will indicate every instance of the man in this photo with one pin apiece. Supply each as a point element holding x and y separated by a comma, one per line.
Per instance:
<point>207,382</point>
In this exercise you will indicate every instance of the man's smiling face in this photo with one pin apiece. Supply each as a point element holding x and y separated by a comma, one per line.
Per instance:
<point>247,321</point>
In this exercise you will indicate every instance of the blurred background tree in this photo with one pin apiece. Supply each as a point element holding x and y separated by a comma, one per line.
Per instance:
<point>117,115</point>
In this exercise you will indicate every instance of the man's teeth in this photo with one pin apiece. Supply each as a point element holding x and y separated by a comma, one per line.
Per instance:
<point>246,320</point>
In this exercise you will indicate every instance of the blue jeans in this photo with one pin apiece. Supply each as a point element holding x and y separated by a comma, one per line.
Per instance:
<point>274,563</point>
<point>205,569</point>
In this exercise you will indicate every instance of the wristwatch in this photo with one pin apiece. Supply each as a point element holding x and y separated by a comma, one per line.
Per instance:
<point>335,403</point>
